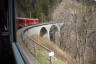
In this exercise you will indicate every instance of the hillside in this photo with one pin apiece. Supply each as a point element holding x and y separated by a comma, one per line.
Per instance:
<point>59,53</point>
<point>78,34</point>
<point>36,8</point>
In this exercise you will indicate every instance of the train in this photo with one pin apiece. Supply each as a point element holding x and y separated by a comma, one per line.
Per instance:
<point>22,22</point>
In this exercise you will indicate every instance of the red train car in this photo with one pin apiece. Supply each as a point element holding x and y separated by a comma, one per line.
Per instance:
<point>21,22</point>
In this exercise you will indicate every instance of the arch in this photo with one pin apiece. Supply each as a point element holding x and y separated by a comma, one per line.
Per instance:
<point>52,32</point>
<point>43,31</point>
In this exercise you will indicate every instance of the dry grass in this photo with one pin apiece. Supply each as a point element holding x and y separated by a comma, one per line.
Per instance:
<point>58,52</point>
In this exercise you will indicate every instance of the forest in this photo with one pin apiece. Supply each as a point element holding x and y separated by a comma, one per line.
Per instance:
<point>36,8</point>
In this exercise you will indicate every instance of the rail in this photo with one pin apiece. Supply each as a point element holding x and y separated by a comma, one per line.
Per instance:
<point>33,40</point>
<point>35,52</point>
<point>36,49</point>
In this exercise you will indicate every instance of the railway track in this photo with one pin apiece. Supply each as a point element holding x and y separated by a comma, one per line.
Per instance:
<point>30,59</point>
<point>30,49</point>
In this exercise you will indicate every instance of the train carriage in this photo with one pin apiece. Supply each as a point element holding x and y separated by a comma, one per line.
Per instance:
<point>21,22</point>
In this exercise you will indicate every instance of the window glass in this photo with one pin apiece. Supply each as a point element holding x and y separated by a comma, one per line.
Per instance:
<point>30,14</point>
<point>57,31</point>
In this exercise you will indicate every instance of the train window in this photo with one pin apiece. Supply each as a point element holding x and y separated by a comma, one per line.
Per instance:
<point>55,31</point>
<point>17,21</point>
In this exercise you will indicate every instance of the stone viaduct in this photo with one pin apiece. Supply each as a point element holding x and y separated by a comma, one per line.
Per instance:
<point>49,31</point>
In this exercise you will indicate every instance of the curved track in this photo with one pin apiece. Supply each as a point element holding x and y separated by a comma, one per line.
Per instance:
<point>35,43</point>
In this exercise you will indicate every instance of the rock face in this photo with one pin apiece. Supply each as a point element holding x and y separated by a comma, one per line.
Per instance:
<point>78,34</point>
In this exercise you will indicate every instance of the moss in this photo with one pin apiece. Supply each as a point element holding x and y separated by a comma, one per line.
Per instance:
<point>57,61</point>
<point>42,59</point>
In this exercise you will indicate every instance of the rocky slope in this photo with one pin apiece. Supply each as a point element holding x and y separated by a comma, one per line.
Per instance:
<point>78,34</point>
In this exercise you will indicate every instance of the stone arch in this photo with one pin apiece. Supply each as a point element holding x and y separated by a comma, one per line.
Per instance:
<point>53,32</point>
<point>43,32</point>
